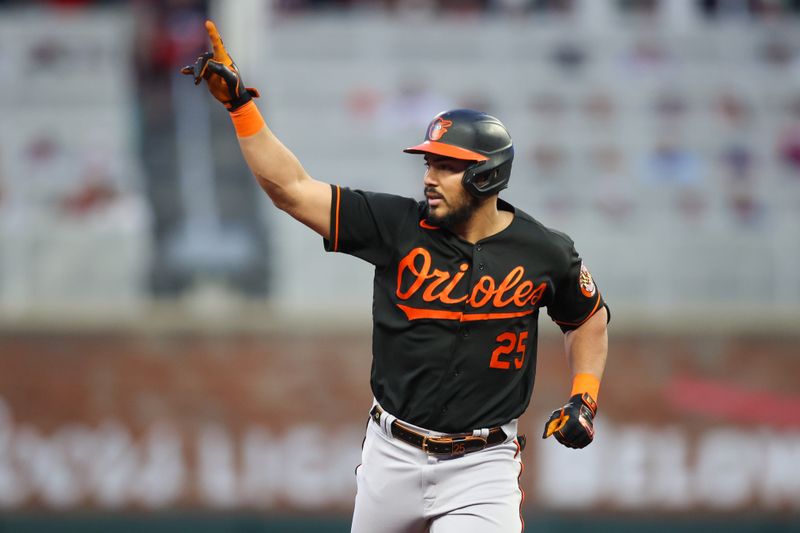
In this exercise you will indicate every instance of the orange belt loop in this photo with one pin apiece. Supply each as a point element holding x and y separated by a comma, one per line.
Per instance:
<point>247,120</point>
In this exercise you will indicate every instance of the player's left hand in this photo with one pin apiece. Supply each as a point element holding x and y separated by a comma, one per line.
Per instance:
<point>573,424</point>
<point>220,72</point>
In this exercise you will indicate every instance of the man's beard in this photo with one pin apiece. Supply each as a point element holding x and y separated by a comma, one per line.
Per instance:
<point>455,216</point>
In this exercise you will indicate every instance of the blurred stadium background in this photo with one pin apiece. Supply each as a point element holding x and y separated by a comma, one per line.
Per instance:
<point>175,354</point>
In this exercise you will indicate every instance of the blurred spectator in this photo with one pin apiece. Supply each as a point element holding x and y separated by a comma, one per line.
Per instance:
<point>514,7</point>
<point>774,8</point>
<point>414,7</point>
<point>670,105</point>
<point>691,205</point>
<point>777,53</point>
<point>671,163</point>
<point>457,7</point>
<point>599,107</point>
<point>547,106</point>
<point>2,179</point>
<point>738,161</point>
<point>732,109</point>
<point>537,7</point>
<point>549,161</point>
<point>95,192</point>
<point>759,9</point>
<point>645,56</point>
<point>363,103</point>
<point>412,104</point>
<point>62,4</point>
<point>552,7</point>
<point>48,171</point>
<point>463,7</point>
<point>738,165</point>
<point>644,8</point>
<point>614,198</point>
<point>793,107</point>
<point>746,209</point>
<point>569,57</point>
<point>789,147</point>
<point>167,34</point>
<point>714,9</point>
<point>551,180</point>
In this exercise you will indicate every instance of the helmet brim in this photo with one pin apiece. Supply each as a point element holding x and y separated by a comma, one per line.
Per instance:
<point>446,150</point>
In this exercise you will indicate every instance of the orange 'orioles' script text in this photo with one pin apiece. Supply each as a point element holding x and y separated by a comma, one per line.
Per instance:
<point>443,287</point>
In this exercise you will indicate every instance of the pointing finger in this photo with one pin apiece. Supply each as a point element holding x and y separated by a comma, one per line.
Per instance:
<point>220,54</point>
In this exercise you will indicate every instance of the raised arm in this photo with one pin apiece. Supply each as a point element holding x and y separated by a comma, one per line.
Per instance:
<point>275,167</point>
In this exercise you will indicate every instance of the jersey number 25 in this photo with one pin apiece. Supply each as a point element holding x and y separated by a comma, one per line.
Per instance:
<point>510,342</point>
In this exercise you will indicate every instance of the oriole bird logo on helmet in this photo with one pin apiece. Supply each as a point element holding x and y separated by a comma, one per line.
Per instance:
<point>438,128</point>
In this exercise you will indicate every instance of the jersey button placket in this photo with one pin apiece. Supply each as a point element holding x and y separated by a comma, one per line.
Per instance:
<point>463,332</point>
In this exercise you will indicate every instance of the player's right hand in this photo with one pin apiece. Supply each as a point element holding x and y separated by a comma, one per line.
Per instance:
<point>573,424</point>
<point>220,72</point>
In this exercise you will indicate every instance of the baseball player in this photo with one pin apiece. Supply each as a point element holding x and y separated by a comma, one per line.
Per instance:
<point>459,281</point>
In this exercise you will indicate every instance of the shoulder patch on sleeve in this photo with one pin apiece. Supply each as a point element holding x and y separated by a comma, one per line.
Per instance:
<point>586,282</point>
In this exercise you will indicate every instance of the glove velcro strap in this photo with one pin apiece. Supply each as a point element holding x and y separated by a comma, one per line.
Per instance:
<point>589,402</point>
<point>247,120</point>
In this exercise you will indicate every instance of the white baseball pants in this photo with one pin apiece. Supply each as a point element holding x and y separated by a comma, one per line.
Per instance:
<point>402,489</point>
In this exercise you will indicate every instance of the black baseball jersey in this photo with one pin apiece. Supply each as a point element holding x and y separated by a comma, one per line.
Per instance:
<point>455,323</point>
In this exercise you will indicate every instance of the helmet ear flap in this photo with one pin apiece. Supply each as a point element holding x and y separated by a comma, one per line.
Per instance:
<point>469,178</point>
<point>488,182</point>
<point>476,183</point>
<point>485,178</point>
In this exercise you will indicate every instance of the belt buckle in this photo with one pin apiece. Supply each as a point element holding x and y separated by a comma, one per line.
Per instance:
<point>458,445</point>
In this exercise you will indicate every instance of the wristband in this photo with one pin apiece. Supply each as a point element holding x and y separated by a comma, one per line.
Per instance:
<point>247,120</point>
<point>585,383</point>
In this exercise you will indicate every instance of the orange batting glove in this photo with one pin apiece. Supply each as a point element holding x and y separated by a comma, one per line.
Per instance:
<point>573,424</point>
<point>220,72</point>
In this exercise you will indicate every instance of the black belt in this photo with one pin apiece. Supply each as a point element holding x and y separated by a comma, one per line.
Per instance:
<point>451,445</point>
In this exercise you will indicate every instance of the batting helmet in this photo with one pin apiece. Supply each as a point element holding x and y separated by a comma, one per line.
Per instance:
<point>472,136</point>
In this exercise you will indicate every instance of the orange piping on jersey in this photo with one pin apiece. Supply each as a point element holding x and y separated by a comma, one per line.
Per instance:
<point>473,317</point>
<point>336,224</point>
<point>424,224</point>
<point>414,313</point>
<point>596,305</point>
